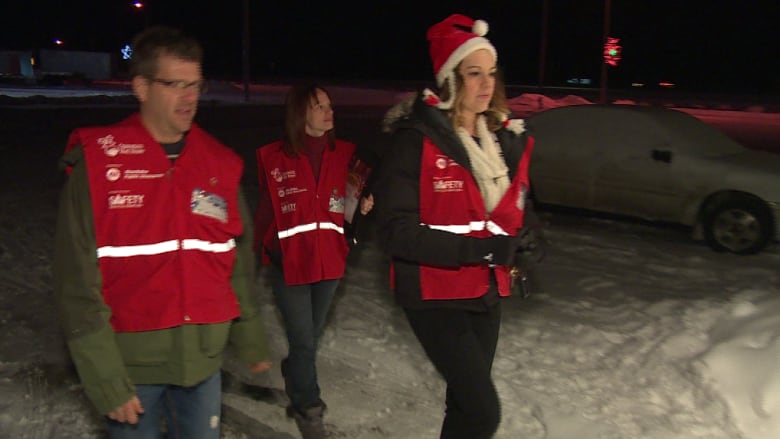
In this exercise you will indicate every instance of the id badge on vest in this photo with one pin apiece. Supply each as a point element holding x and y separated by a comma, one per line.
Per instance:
<point>336,202</point>
<point>208,204</point>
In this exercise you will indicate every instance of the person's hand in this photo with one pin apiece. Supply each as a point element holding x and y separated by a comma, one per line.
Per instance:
<point>526,238</point>
<point>260,367</point>
<point>127,412</point>
<point>493,250</point>
<point>366,204</point>
<point>532,247</point>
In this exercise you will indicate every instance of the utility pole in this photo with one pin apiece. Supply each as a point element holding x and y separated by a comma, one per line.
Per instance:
<point>607,7</point>
<point>245,50</point>
<point>543,43</point>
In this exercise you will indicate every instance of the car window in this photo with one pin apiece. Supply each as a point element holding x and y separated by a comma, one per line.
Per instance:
<point>696,136</point>
<point>595,129</point>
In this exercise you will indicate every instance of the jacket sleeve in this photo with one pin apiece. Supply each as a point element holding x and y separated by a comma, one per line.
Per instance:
<point>264,215</point>
<point>83,313</point>
<point>397,200</point>
<point>247,334</point>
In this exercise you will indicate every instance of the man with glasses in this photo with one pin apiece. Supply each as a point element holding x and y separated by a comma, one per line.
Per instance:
<point>153,265</point>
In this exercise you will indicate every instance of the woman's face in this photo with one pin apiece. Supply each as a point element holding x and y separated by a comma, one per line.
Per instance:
<point>478,71</point>
<point>319,115</point>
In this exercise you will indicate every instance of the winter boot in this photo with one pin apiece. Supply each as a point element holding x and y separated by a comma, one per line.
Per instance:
<point>309,420</point>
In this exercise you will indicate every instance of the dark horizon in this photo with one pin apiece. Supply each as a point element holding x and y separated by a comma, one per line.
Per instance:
<point>707,46</point>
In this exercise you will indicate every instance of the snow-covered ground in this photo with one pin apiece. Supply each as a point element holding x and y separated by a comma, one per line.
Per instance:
<point>632,331</point>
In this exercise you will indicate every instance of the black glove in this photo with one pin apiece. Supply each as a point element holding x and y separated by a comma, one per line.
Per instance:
<point>498,250</point>
<point>531,249</point>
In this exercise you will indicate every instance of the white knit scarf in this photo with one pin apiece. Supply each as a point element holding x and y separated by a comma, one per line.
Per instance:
<point>488,164</point>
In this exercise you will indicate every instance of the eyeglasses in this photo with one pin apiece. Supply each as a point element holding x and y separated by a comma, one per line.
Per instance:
<point>199,86</point>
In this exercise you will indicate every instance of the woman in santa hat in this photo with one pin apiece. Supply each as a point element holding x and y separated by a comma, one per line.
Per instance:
<point>453,214</point>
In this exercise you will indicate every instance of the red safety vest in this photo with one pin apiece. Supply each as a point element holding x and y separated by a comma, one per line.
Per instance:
<point>309,215</point>
<point>165,233</point>
<point>450,200</point>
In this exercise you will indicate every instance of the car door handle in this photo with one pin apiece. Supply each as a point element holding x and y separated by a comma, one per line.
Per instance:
<point>662,155</point>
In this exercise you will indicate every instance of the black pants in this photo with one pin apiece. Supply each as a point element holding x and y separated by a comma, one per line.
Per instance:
<point>461,345</point>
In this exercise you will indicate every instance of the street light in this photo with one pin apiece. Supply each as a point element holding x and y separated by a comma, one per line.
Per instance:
<point>141,8</point>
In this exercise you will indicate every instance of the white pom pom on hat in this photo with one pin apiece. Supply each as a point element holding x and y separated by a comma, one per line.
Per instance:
<point>480,27</point>
<point>451,40</point>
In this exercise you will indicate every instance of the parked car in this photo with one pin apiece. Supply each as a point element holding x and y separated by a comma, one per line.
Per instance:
<point>657,164</point>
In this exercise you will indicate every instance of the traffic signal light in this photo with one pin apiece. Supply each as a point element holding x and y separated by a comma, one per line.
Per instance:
<point>612,51</point>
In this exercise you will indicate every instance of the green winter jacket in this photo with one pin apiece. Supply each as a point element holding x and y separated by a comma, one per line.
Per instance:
<point>110,364</point>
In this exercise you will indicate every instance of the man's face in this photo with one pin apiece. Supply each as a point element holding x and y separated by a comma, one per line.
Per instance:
<point>170,99</point>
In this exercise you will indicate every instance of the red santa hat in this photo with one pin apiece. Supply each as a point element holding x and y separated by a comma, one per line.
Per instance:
<point>451,40</point>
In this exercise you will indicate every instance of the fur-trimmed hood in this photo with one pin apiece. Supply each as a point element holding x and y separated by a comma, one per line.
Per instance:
<point>399,111</point>
<point>419,113</point>
<point>404,108</point>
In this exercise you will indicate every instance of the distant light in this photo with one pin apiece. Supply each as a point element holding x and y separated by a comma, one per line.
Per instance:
<point>58,42</point>
<point>138,5</point>
<point>666,84</point>
<point>127,52</point>
<point>580,81</point>
<point>637,84</point>
<point>32,61</point>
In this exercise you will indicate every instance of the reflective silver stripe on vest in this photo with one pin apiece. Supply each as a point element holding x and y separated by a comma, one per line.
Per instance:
<point>206,246</point>
<point>460,229</point>
<point>332,226</point>
<point>495,229</point>
<point>164,247</point>
<point>308,228</point>
<point>473,226</point>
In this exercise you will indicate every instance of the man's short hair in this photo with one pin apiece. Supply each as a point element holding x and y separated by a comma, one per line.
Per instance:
<point>155,41</point>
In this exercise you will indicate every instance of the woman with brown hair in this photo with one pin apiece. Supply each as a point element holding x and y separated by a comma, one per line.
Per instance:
<point>300,232</point>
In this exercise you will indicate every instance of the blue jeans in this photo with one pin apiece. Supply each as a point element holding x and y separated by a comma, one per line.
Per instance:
<point>190,412</point>
<point>304,309</point>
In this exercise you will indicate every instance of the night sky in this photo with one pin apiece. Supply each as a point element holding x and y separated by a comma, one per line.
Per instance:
<point>704,46</point>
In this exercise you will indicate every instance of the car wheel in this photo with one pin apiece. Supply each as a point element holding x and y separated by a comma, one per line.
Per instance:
<point>738,223</point>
